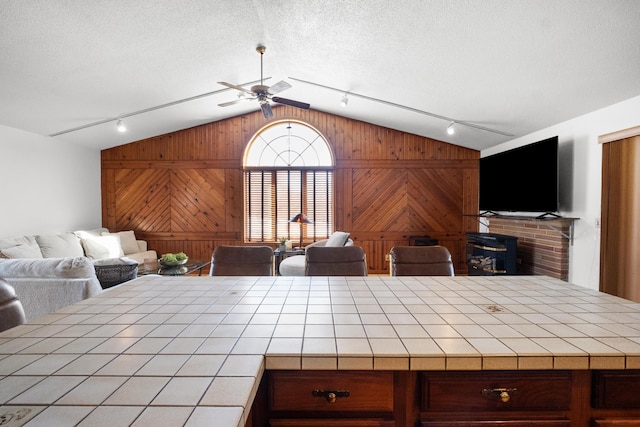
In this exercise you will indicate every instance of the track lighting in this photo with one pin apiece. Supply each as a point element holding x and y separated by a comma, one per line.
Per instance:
<point>344,101</point>
<point>405,107</point>
<point>120,126</point>
<point>450,129</point>
<point>147,110</point>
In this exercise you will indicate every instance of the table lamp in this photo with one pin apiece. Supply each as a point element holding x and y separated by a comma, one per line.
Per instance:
<point>301,219</point>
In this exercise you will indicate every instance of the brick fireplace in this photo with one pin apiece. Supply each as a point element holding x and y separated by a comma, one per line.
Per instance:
<point>543,244</point>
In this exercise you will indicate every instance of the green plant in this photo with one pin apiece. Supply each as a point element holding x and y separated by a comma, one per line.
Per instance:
<point>283,240</point>
<point>173,257</point>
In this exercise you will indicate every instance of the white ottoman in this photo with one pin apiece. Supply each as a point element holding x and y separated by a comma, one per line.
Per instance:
<point>293,266</point>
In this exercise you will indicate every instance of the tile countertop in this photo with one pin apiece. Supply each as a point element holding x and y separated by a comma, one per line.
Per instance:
<point>185,350</point>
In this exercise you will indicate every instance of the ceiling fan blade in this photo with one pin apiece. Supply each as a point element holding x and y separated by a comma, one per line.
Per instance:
<point>266,110</point>
<point>291,102</point>
<point>226,104</point>
<point>279,87</point>
<point>240,88</point>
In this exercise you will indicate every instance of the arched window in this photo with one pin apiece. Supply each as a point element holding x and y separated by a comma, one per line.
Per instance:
<point>288,170</point>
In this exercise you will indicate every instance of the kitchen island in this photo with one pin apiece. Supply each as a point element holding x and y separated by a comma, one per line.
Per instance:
<point>201,351</point>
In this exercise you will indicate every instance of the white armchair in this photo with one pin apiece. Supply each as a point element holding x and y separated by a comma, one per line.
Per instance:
<point>295,265</point>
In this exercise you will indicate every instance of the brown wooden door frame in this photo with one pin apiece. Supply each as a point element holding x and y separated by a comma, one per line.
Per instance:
<point>620,212</point>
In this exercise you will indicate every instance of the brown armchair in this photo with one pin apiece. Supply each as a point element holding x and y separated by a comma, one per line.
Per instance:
<point>335,261</point>
<point>242,261</point>
<point>421,261</point>
<point>11,310</point>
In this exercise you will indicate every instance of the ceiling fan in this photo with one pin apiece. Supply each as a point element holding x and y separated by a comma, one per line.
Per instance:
<point>264,93</point>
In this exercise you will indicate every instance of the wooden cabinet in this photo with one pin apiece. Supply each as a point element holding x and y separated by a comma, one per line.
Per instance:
<point>545,398</point>
<point>505,398</point>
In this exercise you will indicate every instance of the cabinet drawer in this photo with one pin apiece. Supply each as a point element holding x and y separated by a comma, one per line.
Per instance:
<point>500,423</point>
<point>328,422</point>
<point>617,422</point>
<point>496,390</point>
<point>309,391</point>
<point>616,389</point>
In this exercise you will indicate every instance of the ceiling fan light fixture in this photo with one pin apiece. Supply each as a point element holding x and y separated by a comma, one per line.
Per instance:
<point>450,129</point>
<point>264,93</point>
<point>344,101</point>
<point>120,126</point>
<point>266,109</point>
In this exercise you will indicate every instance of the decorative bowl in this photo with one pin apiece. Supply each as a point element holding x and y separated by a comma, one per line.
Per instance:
<point>173,263</point>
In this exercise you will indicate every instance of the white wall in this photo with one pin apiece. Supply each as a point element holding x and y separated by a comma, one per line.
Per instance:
<point>581,180</point>
<point>47,186</point>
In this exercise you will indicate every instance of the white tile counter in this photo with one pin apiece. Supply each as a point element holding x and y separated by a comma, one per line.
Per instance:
<point>187,350</point>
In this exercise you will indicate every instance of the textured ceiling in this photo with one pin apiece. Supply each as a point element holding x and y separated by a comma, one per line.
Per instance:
<point>512,66</point>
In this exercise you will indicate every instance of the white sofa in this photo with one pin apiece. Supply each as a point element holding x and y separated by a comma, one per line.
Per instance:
<point>52,271</point>
<point>94,244</point>
<point>44,285</point>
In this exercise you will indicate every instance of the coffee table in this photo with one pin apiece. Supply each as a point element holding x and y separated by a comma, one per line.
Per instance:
<point>191,266</point>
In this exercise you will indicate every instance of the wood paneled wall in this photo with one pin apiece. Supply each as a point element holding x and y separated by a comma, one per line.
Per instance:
<point>183,191</point>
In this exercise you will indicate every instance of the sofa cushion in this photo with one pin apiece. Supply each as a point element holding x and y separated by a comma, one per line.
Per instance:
<point>338,238</point>
<point>102,247</point>
<point>61,245</point>
<point>95,232</point>
<point>15,241</point>
<point>22,251</point>
<point>127,241</point>
<point>79,267</point>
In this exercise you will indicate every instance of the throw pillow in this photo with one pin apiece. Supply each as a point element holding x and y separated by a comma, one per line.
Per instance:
<point>60,245</point>
<point>86,234</point>
<point>15,241</point>
<point>338,238</point>
<point>22,251</point>
<point>102,247</point>
<point>127,241</point>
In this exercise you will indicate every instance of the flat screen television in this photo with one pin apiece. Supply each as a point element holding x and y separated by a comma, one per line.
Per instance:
<point>524,179</point>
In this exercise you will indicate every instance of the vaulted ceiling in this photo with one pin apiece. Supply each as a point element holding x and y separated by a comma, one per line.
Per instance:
<point>506,68</point>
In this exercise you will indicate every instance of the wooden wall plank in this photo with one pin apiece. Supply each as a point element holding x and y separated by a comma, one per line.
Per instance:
<point>183,191</point>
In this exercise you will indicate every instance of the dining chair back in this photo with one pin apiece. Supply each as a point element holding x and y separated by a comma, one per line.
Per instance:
<point>421,261</point>
<point>335,261</point>
<point>242,261</point>
<point>11,310</point>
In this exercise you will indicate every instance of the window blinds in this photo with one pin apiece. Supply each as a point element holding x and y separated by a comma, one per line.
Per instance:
<point>273,197</point>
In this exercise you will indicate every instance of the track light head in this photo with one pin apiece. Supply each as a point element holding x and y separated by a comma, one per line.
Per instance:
<point>120,126</point>
<point>450,128</point>
<point>344,101</point>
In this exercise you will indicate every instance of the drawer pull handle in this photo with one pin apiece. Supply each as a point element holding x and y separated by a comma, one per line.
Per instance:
<point>503,393</point>
<point>330,395</point>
